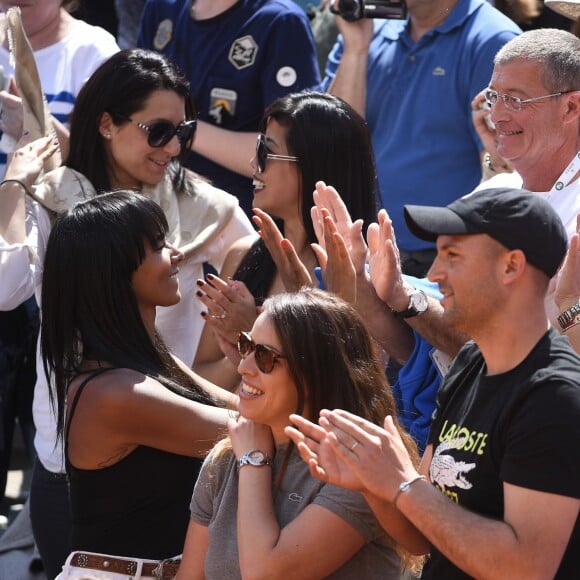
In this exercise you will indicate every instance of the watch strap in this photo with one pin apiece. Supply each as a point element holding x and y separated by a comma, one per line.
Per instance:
<point>410,311</point>
<point>570,317</point>
<point>247,459</point>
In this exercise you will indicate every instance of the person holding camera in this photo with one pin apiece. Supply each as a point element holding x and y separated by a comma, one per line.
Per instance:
<point>413,79</point>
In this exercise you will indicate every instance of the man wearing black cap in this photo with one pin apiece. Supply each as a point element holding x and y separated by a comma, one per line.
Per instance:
<point>498,491</point>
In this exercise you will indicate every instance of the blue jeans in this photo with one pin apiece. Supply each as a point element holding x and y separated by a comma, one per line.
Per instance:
<point>51,518</point>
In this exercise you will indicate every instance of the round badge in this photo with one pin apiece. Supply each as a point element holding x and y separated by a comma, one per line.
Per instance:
<point>559,185</point>
<point>286,76</point>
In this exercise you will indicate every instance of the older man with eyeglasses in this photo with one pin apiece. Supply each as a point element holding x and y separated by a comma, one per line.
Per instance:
<point>534,100</point>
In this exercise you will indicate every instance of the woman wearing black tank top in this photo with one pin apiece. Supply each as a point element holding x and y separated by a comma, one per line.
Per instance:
<point>135,420</point>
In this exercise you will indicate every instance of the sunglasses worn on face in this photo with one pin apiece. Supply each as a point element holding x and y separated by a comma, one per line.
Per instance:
<point>161,132</point>
<point>263,153</point>
<point>264,356</point>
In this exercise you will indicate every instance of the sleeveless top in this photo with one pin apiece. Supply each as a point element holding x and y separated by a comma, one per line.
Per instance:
<point>137,507</point>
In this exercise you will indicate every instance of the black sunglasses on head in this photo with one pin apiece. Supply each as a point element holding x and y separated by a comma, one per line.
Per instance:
<point>161,132</point>
<point>264,356</point>
<point>263,154</point>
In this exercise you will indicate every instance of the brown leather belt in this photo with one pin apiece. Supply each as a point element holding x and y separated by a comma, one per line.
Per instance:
<point>162,570</point>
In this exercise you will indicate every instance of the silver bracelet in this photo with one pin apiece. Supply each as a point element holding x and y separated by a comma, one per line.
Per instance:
<point>405,486</point>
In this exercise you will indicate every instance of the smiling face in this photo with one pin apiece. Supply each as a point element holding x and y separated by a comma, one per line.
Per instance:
<point>132,162</point>
<point>155,281</point>
<point>277,188</point>
<point>267,398</point>
<point>468,270</point>
<point>524,137</point>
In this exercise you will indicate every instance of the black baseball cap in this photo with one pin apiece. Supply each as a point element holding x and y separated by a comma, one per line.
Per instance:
<point>516,218</point>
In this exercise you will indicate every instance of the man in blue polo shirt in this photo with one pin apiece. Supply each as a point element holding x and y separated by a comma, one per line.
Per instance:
<point>239,56</point>
<point>414,80</point>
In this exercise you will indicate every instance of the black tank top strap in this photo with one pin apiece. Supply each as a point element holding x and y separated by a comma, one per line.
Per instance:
<point>78,394</point>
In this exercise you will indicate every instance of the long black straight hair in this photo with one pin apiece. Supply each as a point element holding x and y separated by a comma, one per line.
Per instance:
<point>89,308</point>
<point>333,144</point>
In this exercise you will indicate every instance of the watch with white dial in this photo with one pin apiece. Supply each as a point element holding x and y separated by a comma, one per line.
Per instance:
<point>418,303</point>
<point>256,458</point>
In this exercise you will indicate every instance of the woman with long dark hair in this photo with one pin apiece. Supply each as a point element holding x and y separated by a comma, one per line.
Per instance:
<point>256,510</point>
<point>306,137</point>
<point>132,417</point>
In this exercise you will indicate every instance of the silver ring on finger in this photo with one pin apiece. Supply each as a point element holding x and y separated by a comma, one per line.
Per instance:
<point>353,447</point>
<point>219,316</point>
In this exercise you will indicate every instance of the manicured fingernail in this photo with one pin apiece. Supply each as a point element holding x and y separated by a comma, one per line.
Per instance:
<point>199,293</point>
<point>200,282</point>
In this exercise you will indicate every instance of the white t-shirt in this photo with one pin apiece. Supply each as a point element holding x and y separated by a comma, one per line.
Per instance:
<point>65,66</point>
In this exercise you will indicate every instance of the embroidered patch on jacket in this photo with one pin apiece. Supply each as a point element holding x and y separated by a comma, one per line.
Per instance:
<point>222,105</point>
<point>243,52</point>
<point>438,71</point>
<point>163,34</point>
<point>286,76</point>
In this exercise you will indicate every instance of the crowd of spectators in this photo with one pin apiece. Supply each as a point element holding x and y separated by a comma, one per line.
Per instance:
<point>423,171</point>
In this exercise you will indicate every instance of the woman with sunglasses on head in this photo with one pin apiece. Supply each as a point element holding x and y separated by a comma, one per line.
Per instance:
<point>256,511</point>
<point>132,417</point>
<point>132,122</point>
<point>306,137</point>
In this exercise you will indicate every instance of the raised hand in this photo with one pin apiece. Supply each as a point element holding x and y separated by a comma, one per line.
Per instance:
<point>385,263</point>
<point>231,307</point>
<point>292,270</point>
<point>487,133</point>
<point>338,270</point>
<point>27,161</point>
<point>327,198</point>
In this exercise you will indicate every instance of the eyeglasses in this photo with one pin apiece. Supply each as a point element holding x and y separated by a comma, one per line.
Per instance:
<point>515,103</point>
<point>161,132</point>
<point>265,356</point>
<point>263,153</point>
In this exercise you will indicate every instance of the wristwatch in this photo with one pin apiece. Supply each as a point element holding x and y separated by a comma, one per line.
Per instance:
<point>569,317</point>
<point>418,303</point>
<point>256,458</point>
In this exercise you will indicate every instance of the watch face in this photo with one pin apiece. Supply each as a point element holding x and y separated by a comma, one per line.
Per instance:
<point>256,457</point>
<point>419,301</point>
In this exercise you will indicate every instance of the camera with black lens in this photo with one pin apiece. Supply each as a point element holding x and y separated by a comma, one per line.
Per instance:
<point>352,10</point>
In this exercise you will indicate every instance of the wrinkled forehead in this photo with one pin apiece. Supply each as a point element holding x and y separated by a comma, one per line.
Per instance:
<point>518,76</point>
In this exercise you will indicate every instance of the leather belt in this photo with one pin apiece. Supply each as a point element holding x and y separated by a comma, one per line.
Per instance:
<point>162,570</point>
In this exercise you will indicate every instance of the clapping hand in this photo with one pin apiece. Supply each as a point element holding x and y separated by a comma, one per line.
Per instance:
<point>292,270</point>
<point>231,308</point>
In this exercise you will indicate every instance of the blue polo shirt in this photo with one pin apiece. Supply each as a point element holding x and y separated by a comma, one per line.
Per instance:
<point>237,63</point>
<point>419,106</point>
